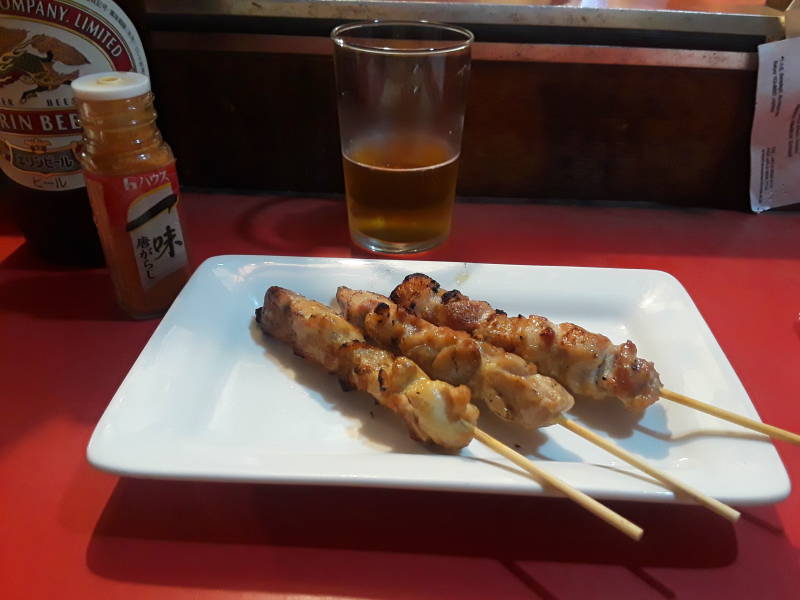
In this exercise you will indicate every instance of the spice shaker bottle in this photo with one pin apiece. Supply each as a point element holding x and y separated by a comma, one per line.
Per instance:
<point>133,189</point>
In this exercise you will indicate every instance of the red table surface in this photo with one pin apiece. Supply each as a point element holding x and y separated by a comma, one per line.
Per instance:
<point>69,531</point>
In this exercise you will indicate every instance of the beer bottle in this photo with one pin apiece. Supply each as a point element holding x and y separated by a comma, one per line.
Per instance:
<point>133,189</point>
<point>45,45</point>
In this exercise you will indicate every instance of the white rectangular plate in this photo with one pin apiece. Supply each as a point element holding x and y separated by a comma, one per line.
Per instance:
<point>211,398</point>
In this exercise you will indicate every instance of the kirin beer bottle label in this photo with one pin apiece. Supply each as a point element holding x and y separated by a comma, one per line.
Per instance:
<point>44,46</point>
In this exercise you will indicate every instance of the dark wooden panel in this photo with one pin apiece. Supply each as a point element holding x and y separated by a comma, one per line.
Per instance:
<point>605,132</point>
<point>250,121</point>
<point>247,120</point>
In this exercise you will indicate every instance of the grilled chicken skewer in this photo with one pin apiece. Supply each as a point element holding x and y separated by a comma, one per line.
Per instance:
<point>433,410</point>
<point>510,386</point>
<point>507,383</point>
<point>587,364</point>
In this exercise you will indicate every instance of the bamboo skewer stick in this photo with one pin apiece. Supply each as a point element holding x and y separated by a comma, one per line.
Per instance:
<point>711,503</point>
<point>609,516</point>
<point>770,430</point>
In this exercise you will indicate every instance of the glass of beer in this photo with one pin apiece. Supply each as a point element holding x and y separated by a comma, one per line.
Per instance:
<point>401,95</point>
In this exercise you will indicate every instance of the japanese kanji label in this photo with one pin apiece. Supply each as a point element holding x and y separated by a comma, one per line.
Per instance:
<point>146,206</point>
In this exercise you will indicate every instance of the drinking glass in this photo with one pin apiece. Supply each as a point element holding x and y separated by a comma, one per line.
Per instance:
<point>401,95</point>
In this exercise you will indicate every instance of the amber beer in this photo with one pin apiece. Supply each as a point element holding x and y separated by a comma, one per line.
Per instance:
<point>400,189</point>
<point>401,96</point>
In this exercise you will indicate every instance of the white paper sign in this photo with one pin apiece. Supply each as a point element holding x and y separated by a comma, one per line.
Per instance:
<point>791,19</point>
<point>775,142</point>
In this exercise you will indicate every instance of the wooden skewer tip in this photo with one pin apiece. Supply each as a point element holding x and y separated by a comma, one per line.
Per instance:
<point>630,529</point>
<point>711,503</point>
<point>769,430</point>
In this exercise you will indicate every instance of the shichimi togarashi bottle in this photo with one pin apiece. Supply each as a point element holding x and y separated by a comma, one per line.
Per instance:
<point>133,189</point>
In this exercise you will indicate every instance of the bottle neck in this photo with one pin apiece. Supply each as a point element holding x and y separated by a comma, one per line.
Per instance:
<point>119,126</point>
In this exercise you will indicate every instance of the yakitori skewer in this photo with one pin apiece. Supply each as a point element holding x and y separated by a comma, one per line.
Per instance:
<point>509,385</point>
<point>587,364</point>
<point>433,411</point>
